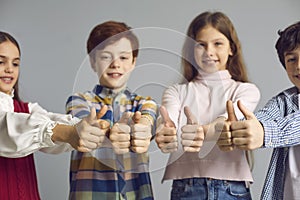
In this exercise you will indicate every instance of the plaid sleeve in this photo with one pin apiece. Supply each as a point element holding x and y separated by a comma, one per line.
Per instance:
<point>149,109</point>
<point>279,130</point>
<point>77,106</point>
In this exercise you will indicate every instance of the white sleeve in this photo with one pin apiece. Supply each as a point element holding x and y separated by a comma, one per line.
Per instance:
<point>23,134</point>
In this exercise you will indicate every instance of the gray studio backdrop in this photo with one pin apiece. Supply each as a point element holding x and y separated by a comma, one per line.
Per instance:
<point>53,37</point>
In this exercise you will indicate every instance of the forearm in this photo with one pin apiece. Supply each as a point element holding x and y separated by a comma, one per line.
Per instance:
<point>64,133</point>
<point>209,129</point>
<point>281,133</point>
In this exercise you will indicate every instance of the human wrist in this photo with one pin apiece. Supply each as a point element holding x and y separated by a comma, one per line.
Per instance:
<point>64,133</point>
<point>146,120</point>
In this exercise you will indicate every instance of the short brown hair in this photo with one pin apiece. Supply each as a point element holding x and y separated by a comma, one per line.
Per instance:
<point>108,33</point>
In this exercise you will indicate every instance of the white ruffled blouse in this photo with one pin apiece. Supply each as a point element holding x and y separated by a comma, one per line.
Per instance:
<point>22,134</point>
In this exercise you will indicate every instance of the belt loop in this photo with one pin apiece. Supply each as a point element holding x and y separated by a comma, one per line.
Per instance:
<point>191,181</point>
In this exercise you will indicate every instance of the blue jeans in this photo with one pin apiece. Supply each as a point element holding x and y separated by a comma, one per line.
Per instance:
<point>209,189</point>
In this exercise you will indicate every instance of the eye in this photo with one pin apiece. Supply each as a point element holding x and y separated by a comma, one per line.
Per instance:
<point>124,57</point>
<point>199,45</point>
<point>105,58</point>
<point>290,59</point>
<point>1,62</point>
<point>218,43</point>
<point>16,64</point>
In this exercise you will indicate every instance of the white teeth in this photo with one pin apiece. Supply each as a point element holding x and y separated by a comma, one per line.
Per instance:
<point>115,75</point>
<point>7,79</point>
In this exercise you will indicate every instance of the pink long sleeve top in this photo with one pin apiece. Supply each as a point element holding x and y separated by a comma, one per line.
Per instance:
<point>206,96</point>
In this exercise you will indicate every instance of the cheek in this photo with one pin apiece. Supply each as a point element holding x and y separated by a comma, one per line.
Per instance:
<point>17,72</point>
<point>100,68</point>
<point>289,70</point>
<point>128,67</point>
<point>198,55</point>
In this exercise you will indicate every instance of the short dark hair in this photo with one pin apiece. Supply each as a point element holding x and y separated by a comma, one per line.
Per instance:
<point>289,39</point>
<point>108,33</point>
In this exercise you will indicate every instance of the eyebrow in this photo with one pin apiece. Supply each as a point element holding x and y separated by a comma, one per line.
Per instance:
<point>1,56</point>
<point>121,52</point>
<point>289,53</point>
<point>211,40</point>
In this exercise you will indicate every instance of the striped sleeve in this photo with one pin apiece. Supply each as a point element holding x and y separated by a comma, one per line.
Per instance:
<point>77,106</point>
<point>148,108</point>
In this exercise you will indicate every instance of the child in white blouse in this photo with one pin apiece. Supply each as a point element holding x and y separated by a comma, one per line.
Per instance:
<point>215,72</point>
<point>27,127</point>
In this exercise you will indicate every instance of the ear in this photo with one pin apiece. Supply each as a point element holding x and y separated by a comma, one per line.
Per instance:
<point>93,63</point>
<point>134,61</point>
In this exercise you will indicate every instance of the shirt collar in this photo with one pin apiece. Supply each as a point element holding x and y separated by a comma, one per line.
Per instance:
<point>292,96</point>
<point>104,92</point>
<point>216,76</point>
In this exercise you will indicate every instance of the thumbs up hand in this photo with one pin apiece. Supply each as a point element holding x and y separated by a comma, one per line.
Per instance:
<point>120,134</point>
<point>166,137</point>
<point>89,132</point>
<point>247,134</point>
<point>140,133</point>
<point>192,133</point>
<point>225,140</point>
<point>103,124</point>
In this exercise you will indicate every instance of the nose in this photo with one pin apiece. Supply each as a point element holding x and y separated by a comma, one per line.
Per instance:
<point>209,50</point>
<point>298,65</point>
<point>9,68</point>
<point>115,63</point>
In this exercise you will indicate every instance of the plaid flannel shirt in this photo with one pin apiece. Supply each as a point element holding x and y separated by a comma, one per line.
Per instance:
<point>102,174</point>
<point>281,121</point>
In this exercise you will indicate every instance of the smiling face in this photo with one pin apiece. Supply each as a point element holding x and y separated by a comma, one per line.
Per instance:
<point>211,50</point>
<point>114,64</point>
<point>9,66</point>
<point>292,63</point>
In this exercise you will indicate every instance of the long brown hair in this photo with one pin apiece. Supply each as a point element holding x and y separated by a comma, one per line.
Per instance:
<point>4,37</point>
<point>219,21</point>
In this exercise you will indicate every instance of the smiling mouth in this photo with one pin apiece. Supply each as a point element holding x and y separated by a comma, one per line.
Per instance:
<point>114,75</point>
<point>7,80</point>
<point>297,76</point>
<point>209,61</point>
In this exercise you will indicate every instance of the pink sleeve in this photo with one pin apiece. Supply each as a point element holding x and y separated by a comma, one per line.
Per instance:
<point>249,95</point>
<point>171,100</point>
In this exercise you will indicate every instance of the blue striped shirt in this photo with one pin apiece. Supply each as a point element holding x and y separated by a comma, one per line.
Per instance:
<point>102,174</point>
<point>280,118</point>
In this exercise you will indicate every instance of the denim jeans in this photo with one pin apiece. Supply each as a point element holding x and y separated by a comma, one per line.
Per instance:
<point>209,189</point>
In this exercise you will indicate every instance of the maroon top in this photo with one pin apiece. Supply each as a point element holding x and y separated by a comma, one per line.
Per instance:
<point>17,175</point>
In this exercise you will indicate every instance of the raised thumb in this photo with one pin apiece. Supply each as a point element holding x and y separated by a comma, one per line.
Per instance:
<point>92,116</point>
<point>191,118</point>
<point>102,112</point>
<point>125,117</point>
<point>247,114</point>
<point>230,111</point>
<point>136,117</point>
<point>166,118</point>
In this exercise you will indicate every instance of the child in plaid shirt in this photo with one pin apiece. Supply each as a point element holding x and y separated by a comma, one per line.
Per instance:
<point>119,168</point>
